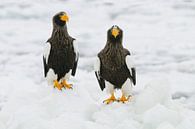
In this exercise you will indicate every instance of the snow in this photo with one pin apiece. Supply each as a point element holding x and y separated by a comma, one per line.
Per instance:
<point>159,34</point>
<point>156,92</point>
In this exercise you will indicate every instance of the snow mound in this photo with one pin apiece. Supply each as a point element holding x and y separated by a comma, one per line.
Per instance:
<point>165,125</point>
<point>47,108</point>
<point>156,92</point>
<point>158,115</point>
<point>152,108</point>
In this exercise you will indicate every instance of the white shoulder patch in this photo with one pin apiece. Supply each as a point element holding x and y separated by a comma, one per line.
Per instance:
<point>129,62</point>
<point>75,45</point>
<point>97,64</point>
<point>47,49</point>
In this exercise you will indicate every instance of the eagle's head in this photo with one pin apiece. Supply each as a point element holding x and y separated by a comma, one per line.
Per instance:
<point>115,34</point>
<point>60,19</point>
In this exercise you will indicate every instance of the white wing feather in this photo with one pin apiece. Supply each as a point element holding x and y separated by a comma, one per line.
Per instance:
<point>47,49</point>
<point>97,64</point>
<point>76,50</point>
<point>129,62</point>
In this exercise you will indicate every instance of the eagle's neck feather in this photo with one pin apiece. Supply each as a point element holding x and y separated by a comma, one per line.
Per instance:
<point>59,34</point>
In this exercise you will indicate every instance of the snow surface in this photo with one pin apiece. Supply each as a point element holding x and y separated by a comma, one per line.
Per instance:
<point>160,35</point>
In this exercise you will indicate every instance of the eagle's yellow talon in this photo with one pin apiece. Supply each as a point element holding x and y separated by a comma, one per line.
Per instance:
<point>110,100</point>
<point>124,99</point>
<point>57,85</point>
<point>66,85</point>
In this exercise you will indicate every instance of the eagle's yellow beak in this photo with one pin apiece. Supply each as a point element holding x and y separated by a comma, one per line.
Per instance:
<point>64,17</point>
<point>115,32</point>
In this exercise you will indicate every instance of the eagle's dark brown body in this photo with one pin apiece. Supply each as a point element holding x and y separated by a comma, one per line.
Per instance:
<point>112,64</point>
<point>62,56</point>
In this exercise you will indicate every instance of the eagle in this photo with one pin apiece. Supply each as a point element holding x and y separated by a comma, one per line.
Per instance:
<point>114,68</point>
<point>61,55</point>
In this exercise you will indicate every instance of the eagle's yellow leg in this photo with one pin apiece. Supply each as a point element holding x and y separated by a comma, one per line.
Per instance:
<point>109,100</point>
<point>66,85</point>
<point>57,85</point>
<point>124,99</point>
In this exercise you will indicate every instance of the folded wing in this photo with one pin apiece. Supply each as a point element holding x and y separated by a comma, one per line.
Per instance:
<point>76,59</point>
<point>101,81</point>
<point>132,70</point>
<point>46,53</point>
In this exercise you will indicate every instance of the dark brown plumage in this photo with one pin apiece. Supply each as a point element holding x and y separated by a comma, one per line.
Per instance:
<point>112,66</point>
<point>62,56</point>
